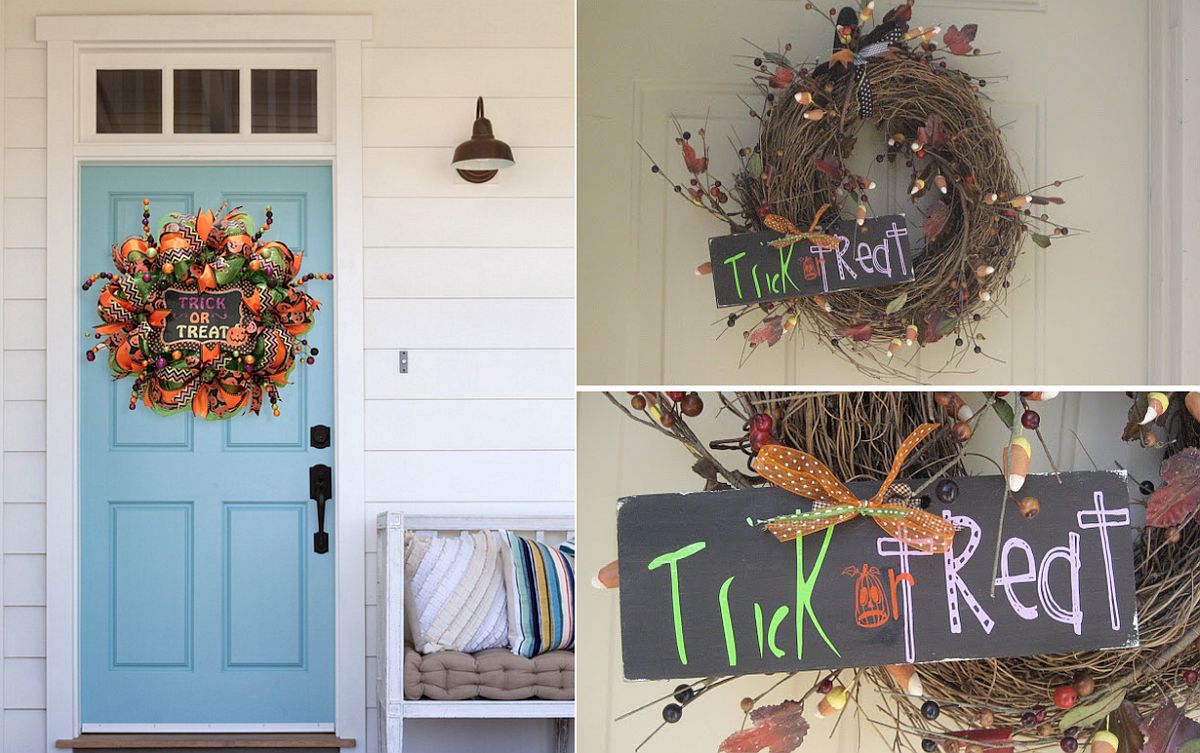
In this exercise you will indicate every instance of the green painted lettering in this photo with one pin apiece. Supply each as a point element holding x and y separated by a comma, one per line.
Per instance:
<point>779,616</point>
<point>758,624</point>
<point>727,623</point>
<point>732,262</point>
<point>785,263</point>
<point>754,275</point>
<point>804,589</point>
<point>671,559</point>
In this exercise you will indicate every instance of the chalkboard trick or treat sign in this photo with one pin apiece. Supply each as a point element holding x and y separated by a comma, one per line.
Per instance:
<point>706,589</point>
<point>207,318</point>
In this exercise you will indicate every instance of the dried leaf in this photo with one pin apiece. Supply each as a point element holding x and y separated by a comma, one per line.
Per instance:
<point>783,77</point>
<point>1125,723</point>
<point>779,729</point>
<point>991,739</point>
<point>901,14</point>
<point>1086,714</point>
<point>754,165</point>
<point>1179,496</point>
<point>832,166</point>
<point>1004,411</point>
<point>706,469</point>
<point>932,134</point>
<point>1049,200</point>
<point>1168,729</point>
<point>768,331</point>
<point>958,41</point>
<point>695,165</point>
<point>935,221</point>
<point>896,304</point>
<point>857,332</point>
<point>1041,240</point>
<point>844,56</point>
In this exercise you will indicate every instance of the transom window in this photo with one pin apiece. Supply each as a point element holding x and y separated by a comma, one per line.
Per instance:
<point>205,95</point>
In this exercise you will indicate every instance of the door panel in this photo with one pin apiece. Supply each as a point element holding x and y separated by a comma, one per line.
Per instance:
<point>202,600</point>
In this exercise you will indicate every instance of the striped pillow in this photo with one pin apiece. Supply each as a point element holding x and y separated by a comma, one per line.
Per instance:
<point>541,597</point>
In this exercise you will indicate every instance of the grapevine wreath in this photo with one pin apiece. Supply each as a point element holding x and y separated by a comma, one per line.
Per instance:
<point>208,318</point>
<point>796,176</point>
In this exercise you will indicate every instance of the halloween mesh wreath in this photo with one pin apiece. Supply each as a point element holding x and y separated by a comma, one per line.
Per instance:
<point>795,176</point>
<point>240,337</point>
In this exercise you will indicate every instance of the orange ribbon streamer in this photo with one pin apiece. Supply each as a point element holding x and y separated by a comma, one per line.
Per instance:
<point>800,473</point>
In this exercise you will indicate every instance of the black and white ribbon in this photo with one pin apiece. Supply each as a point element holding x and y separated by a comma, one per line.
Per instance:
<point>866,105</point>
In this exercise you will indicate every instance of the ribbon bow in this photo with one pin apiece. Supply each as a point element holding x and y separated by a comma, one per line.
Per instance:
<point>866,105</point>
<point>800,473</point>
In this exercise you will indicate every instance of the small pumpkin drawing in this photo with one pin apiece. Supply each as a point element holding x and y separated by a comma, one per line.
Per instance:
<point>872,607</point>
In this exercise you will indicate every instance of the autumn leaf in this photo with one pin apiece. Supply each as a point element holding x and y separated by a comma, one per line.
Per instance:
<point>931,327</point>
<point>754,165</point>
<point>844,56</point>
<point>695,165</point>
<point>1179,496</point>
<point>779,728</point>
<point>896,304</point>
<point>783,77</point>
<point>935,221</point>
<point>832,166</point>
<point>1042,241</point>
<point>768,331</point>
<point>1168,729</point>
<point>958,41</point>
<point>901,14</point>
<point>931,134</point>
<point>857,332</point>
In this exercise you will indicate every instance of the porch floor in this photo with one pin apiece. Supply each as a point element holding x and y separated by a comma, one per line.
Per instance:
<point>277,741</point>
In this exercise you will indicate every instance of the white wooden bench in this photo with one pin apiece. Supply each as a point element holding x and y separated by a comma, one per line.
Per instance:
<point>392,706</point>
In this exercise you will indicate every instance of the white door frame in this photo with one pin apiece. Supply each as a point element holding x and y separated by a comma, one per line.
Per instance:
<point>1173,338</point>
<point>66,36</point>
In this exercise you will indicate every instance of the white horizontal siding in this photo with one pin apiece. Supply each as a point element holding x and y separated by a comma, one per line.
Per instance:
<point>476,282</point>
<point>470,273</point>
<point>449,374</point>
<point>446,121</point>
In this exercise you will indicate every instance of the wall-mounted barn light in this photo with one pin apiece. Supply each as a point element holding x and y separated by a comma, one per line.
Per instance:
<point>478,159</point>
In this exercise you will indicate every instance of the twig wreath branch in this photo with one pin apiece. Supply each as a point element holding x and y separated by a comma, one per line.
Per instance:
<point>938,125</point>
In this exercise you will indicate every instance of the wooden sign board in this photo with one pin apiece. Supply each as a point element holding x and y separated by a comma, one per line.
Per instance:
<point>747,268</point>
<point>200,319</point>
<point>704,592</point>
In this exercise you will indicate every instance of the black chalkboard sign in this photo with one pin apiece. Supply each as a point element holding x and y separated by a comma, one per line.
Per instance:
<point>705,593</point>
<point>207,318</point>
<point>753,267</point>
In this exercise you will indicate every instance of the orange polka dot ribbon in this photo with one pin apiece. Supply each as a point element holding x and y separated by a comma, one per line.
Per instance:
<point>800,473</point>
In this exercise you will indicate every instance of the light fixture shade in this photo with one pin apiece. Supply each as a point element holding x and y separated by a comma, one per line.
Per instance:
<point>479,158</point>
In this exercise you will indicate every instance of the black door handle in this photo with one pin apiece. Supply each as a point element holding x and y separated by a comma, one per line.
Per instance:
<point>320,489</point>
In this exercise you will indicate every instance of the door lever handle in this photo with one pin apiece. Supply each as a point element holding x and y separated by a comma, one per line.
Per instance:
<point>320,489</point>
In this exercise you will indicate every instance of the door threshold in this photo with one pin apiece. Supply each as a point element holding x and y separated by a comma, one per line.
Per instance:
<point>209,741</point>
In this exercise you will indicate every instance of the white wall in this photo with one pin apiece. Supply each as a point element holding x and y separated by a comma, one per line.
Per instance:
<point>491,353</point>
<point>618,458</point>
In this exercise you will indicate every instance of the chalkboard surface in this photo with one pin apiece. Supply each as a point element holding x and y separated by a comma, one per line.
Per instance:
<point>705,593</point>
<point>203,318</point>
<point>746,268</point>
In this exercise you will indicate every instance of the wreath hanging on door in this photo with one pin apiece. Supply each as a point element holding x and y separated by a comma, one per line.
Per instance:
<point>938,125</point>
<point>208,317</point>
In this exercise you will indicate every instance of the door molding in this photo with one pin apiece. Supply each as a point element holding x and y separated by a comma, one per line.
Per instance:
<point>66,36</point>
<point>1172,188</point>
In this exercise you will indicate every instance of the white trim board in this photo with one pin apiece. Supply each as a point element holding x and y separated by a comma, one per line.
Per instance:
<point>64,155</point>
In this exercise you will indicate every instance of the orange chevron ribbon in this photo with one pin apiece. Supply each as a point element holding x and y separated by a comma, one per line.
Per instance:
<point>800,473</point>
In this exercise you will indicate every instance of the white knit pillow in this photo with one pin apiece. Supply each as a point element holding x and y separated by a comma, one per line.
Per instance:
<point>454,595</point>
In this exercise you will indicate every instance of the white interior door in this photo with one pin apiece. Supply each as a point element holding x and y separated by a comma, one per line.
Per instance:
<point>1070,107</point>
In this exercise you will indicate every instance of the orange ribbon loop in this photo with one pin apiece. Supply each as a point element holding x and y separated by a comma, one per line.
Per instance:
<point>800,473</point>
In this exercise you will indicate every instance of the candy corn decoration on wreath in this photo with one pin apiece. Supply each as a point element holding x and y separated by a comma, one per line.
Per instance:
<point>969,213</point>
<point>207,318</point>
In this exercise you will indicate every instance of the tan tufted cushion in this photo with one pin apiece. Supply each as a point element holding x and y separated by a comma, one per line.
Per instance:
<point>494,673</point>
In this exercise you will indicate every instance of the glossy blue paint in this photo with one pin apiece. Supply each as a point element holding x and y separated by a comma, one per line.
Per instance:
<point>202,600</point>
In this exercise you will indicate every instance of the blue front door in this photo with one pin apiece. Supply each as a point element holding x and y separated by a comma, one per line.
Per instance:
<point>203,601</point>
